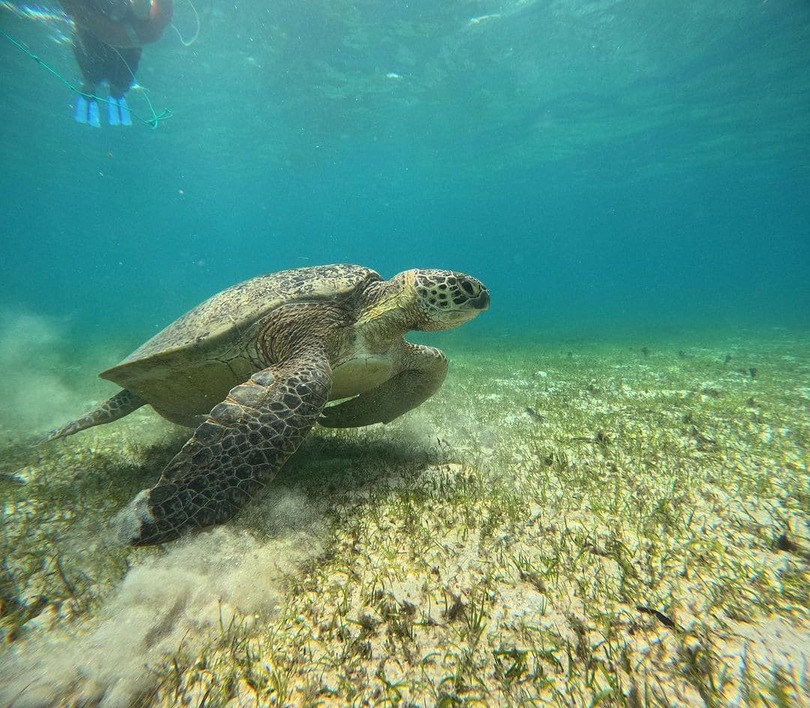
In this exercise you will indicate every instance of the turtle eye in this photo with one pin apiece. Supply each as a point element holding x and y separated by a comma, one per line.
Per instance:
<point>468,287</point>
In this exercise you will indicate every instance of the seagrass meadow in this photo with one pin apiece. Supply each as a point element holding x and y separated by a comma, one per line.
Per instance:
<point>569,522</point>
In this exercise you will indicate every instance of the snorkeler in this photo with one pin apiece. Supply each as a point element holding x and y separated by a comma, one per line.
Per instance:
<point>108,40</point>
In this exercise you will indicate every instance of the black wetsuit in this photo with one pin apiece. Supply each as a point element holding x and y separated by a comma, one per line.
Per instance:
<point>109,36</point>
<point>99,62</point>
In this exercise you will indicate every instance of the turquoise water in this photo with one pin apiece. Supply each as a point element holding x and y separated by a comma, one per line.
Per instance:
<point>600,165</point>
<point>632,182</point>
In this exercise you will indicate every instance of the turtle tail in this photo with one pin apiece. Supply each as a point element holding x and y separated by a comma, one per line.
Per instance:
<point>121,404</point>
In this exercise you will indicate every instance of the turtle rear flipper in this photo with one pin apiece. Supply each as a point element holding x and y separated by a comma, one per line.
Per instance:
<point>121,404</point>
<point>239,448</point>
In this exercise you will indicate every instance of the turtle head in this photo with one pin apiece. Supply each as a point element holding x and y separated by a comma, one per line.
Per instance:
<point>441,299</point>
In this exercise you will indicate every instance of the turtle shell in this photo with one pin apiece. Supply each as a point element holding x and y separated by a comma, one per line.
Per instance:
<point>188,367</point>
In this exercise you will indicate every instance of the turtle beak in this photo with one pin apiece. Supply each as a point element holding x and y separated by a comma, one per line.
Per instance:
<point>476,293</point>
<point>480,302</point>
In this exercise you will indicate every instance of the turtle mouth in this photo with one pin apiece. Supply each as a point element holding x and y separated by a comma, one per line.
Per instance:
<point>481,301</point>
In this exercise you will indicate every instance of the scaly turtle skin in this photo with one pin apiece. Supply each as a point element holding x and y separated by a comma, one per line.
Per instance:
<point>253,368</point>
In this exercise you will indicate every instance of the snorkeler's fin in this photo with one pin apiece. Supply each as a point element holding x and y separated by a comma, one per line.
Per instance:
<point>93,114</point>
<point>80,110</point>
<point>118,112</point>
<point>113,114</point>
<point>86,111</point>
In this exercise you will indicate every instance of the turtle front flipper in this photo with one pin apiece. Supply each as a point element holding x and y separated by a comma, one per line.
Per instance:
<point>422,372</point>
<point>239,448</point>
<point>121,404</point>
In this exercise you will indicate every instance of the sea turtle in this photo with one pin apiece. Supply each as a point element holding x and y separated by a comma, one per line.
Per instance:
<point>252,369</point>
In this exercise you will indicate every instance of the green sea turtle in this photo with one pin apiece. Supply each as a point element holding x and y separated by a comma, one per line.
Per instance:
<point>253,367</point>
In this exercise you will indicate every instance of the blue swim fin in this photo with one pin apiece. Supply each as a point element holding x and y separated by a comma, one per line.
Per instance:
<point>80,110</point>
<point>86,111</point>
<point>113,115</point>
<point>118,112</point>
<point>93,114</point>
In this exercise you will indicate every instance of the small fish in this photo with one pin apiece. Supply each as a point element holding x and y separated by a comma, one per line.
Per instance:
<point>482,18</point>
<point>783,543</point>
<point>13,478</point>
<point>660,616</point>
<point>534,415</point>
<point>704,443</point>
<point>600,438</point>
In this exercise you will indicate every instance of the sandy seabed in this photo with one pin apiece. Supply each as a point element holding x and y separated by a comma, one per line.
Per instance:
<point>565,523</point>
